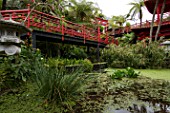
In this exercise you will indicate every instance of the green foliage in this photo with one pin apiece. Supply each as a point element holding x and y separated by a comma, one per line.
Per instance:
<point>85,64</point>
<point>119,74</point>
<point>82,11</point>
<point>128,72</point>
<point>65,51</point>
<point>75,52</point>
<point>17,69</point>
<point>128,24</point>
<point>127,39</point>
<point>58,87</point>
<point>139,55</point>
<point>136,9</point>
<point>117,21</point>
<point>0,4</point>
<point>152,89</point>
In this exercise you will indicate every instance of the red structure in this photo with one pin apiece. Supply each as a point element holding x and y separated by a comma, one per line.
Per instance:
<point>144,30</point>
<point>44,22</point>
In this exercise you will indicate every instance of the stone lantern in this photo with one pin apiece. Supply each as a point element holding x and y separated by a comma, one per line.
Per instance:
<point>167,44</point>
<point>10,32</point>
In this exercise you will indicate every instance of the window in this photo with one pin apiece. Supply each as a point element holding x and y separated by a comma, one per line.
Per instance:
<point>10,33</point>
<point>2,32</point>
<point>17,34</point>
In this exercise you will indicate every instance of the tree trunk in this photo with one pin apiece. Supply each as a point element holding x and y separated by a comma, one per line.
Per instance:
<point>160,22</point>
<point>153,18</point>
<point>140,22</point>
<point>4,4</point>
<point>140,14</point>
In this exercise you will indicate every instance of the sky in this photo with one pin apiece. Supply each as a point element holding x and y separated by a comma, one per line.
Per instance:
<point>119,7</point>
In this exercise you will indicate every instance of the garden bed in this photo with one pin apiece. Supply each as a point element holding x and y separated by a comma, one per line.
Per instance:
<point>96,66</point>
<point>100,65</point>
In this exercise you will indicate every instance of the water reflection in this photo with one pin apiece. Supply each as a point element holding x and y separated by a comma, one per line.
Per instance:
<point>154,108</point>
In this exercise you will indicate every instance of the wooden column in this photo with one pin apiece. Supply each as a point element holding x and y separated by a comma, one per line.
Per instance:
<point>158,12</point>
<point>33,40</point>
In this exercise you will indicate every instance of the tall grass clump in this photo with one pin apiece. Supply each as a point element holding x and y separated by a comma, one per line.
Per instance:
<point>58,87</point>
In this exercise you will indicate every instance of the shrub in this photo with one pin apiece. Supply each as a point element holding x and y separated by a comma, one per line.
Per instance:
<point>136,56</point>
<point>87,65</point>
<point>17,69</point>
<point>73,52</point>
<point>58,62</point>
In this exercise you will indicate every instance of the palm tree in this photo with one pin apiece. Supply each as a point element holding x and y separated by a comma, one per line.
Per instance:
<point>119,20</point>
<point>136,9</point>
<point>116,22</point>
<point>82,11</point>
<point>153,18</point>
<point>59,7</point>
<point>160,22</point>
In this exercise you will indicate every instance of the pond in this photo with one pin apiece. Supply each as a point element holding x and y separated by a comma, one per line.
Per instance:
<point>145,108</point>
<point>140,95</point>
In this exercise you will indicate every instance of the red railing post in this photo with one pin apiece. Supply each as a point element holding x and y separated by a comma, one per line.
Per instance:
<point>158,12</point>
<point>62,27</point>
<point>106,39</point>
<point>28,23</point>
<point>29,11</point>
<point>98,31</point>
<point>12,15</point>
<point>83,32</point>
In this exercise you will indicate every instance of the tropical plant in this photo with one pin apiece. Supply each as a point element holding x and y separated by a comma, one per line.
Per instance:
<point>85,64</point>
<point>117,20</point>
<point>0,4</point>
<point>128,38</point>
<point>119,74</point>
<point>128,24</point>
<point>136,9</point>
<point>73,52</point>
<point>54,7</point>
<point>139,55</point>
<point>58,87</point>
<point>128,72</point>
<point>18,69</point>
<point>82,11</point>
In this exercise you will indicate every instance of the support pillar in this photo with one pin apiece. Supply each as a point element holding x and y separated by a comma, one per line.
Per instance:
<point>158,12</point>
<point>33,40</point>
<point>98,52</point>
<point>88,49</point>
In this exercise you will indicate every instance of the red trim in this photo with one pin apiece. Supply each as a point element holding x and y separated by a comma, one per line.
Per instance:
<point>49,23</point>
<point>158,12</point>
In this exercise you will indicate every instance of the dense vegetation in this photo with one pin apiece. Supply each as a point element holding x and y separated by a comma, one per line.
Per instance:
<point>61,79</point>
<point>137,55</point>
<point>53,83</point>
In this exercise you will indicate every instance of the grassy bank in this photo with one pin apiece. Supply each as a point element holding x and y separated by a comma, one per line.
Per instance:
<point>152,73</point>
<point>156,73</point>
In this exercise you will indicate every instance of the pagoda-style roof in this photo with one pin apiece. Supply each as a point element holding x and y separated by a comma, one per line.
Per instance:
<point>150,4</point>
<point>10,24</point>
